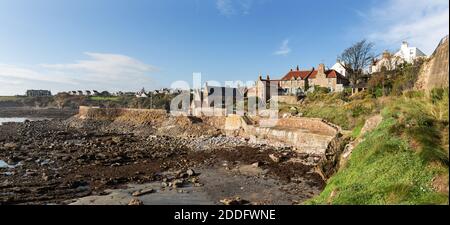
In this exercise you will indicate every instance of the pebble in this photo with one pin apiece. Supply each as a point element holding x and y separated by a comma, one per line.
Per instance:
<point>143,192</point>
<point>274,158</point>
<point>136,201</point>
<point>190,172</point>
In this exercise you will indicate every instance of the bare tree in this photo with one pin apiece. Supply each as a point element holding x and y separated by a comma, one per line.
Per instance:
<point>355,58</point>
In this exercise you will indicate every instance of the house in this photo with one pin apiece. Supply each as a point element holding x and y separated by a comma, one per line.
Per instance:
<point>216,100</point>
<point>38,93</point>
<point>339,67</point>
<point>409,54</point>
<point>389,61</point>
<point>265,88</point>
<point>297,82</point>
<point>141,94</point>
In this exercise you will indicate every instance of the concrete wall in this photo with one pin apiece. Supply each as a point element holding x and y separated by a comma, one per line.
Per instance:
<point>307,135</point>
<point>313,125</point>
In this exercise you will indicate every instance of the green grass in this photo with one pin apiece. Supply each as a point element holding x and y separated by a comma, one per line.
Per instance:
<point>383,170</point>
<point>335,114</point>
<point>101,98</point>
<point>357,130</point>
<point>347,114</point>
<point>10,98</point>
<point>397,162</point>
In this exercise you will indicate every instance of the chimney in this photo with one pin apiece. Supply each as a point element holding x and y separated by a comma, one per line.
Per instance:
<point>298,68</point>
<point>268,78</point>
<point>260,77</point>
<point>321,68</point>
<point>404,44</point>
<point>386,54</point>
<point>291,69</point>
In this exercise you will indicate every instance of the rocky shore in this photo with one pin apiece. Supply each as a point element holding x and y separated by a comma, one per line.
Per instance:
<point>58,161</point>
<point>37,112</point>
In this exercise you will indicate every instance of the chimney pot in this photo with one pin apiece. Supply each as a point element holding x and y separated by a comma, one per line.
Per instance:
<point>298,68</point>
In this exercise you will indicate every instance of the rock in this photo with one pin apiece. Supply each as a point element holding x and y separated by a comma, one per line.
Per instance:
<point>117,139</point>
<point>143,192</point>
<point>30,173</point>
<point>45,177</point>
<point>256,164</point>
<point>177,183</point>
<point>194,180</point>
<point>135,201</point>
<point>234,201</point>
<point>274,158</point>
<point>11,161</point>
<point>190,172</point>
<point>10,145</point>
<point>371,124</point>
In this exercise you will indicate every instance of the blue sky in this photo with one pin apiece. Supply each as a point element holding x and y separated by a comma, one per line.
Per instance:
<point>128,44</point>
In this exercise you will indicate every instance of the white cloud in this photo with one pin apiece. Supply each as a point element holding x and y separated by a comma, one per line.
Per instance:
<point>422,22</point>
<point>101,71</point>
<point>225,7</point>
<point>234,7</point>
<point>13,74</point>
<point>284,48</point>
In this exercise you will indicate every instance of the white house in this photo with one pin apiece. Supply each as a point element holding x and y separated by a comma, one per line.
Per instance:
<point>141,94</point>
<point>339,68</point>
<point>409,54</point>
<point>391,61</point>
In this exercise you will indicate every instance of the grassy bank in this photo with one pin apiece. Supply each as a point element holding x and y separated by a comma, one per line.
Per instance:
<point>404,161</point>
<point>349,112</point>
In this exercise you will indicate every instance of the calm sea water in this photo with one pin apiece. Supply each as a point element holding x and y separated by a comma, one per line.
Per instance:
<point>18,119</point>
<point>13,119</point>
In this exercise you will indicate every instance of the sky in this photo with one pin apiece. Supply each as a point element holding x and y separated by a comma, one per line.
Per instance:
<point>64,45</point>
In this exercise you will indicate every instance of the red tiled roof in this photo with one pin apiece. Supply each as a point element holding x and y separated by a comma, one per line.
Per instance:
<point>297,74</point>
<point>310,74</point>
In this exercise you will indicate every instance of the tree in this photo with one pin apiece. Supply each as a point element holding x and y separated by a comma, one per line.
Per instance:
<point>355,58</point>
<point>105,94</point>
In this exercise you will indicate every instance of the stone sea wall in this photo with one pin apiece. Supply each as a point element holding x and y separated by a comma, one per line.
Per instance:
<point>306,135</point>
<point>434,72</point>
